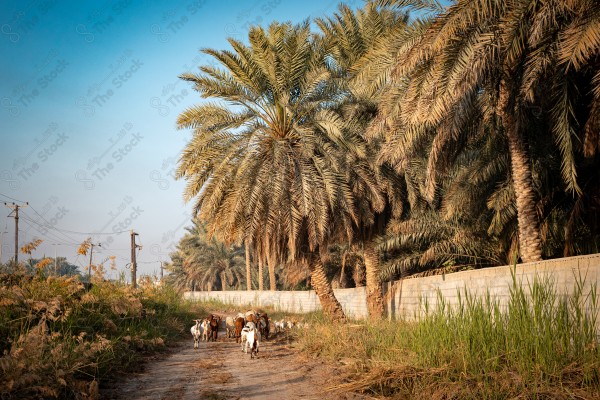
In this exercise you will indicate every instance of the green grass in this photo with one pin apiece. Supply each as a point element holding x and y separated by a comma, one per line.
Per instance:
<point>540,344</point>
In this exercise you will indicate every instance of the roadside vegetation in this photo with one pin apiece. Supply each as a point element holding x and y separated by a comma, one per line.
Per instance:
<point>61,339</point>
<point>539,344</point>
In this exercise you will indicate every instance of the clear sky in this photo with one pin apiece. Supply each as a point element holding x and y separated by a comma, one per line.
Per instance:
<point>89,95</point>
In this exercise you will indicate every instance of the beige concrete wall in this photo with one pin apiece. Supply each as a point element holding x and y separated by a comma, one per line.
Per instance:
<point>405,297</point>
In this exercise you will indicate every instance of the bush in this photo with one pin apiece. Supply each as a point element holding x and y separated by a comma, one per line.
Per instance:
<point>59,340</point>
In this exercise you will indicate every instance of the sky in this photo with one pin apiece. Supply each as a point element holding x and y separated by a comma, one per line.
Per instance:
<point>89,96</point>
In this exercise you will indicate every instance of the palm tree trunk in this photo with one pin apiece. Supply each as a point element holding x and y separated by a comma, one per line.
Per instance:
<point>248,276</point>
<point>530,243</point>
<point>272,282</point>
<point>331,306</point>
<point>260,274</point>
<point>223,283</point>
<point>343,283</point>
<point>374,290</point>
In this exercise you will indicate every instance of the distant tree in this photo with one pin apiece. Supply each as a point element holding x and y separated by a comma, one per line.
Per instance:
<point>203,262</point>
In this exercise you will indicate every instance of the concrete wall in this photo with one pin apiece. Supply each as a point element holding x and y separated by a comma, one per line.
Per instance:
<point>405,297</point>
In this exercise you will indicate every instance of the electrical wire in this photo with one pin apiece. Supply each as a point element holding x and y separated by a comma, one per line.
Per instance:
<point>56,236</point>
<point>12,198</point>
<point>49,224</point>
<point>48,234</point>
<point>76,232</point>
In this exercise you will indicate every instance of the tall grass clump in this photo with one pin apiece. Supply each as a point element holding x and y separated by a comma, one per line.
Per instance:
<point>537,343</point>
<point>60,340</point>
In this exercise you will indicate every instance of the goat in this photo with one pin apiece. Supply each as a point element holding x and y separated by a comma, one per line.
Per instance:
<point>213,327</point>
<point>204,329</point>
<point>279,326</point>
<point>239,325</point>
<point>197,331</point>
<point>263,325</point>
<point>250,338</point>
<point>250,316</point>
<point>230,326</point>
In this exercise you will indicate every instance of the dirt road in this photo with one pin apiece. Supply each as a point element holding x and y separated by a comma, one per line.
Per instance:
<point>219,370</point>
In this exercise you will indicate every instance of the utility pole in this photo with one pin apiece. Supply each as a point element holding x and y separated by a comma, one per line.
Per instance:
<point>133,262</point>
<point>161,271</point>
<point>16,207</point>
<point>90,266</point>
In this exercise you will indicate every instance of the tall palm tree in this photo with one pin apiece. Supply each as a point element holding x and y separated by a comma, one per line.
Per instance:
<point>498,59</point>
<point>378,191</point>
<point>265,163</point>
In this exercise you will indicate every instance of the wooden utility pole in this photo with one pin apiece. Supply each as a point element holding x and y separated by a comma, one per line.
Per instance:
<point>16,207</point>
<point>133,262</point>
<point>90,266</point>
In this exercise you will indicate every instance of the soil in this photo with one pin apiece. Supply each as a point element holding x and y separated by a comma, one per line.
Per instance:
<point>220,370</point>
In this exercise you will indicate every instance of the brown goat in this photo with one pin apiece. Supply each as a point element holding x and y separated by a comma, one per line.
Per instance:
<point>213,327</point>
<point>239,325</point>
<point>251,318</point>
<point>263,325</point>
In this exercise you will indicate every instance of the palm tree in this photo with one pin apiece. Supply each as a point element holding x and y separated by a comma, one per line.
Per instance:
<point>203,262</point>
<point>498,59</point>
<point>218,264</point>
<point>378,191</point>
<point>464,228</point>
<point>266,163</point>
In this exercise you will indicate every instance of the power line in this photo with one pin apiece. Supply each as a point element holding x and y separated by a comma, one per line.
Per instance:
<point>49,235</point>
<point>12,198</point>
<point>55,236</point>
<point>76,232</point>
<point>49,225</point>
<point>44,231</point>
<point>86,233</point>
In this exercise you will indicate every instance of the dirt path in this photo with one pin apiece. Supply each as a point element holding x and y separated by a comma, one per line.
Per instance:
<point>219,370</point>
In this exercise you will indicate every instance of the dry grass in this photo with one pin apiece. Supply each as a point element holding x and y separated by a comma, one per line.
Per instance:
<point>58,340</point>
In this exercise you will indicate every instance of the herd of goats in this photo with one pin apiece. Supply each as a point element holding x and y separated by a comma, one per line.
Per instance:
<point>246,328</point>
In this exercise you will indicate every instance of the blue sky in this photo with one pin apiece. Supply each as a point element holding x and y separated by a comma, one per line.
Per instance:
<point>89,96</point>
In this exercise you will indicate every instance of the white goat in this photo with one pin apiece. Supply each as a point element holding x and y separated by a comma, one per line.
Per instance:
<point>197,332</point>
<point>204,326</point>
<point>279,326</point>
<point>250,338</point>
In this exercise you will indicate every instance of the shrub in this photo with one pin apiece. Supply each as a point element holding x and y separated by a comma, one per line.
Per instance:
<point>59,340</point>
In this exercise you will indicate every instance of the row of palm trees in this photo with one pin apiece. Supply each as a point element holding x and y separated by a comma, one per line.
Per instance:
<point>466,135</point>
